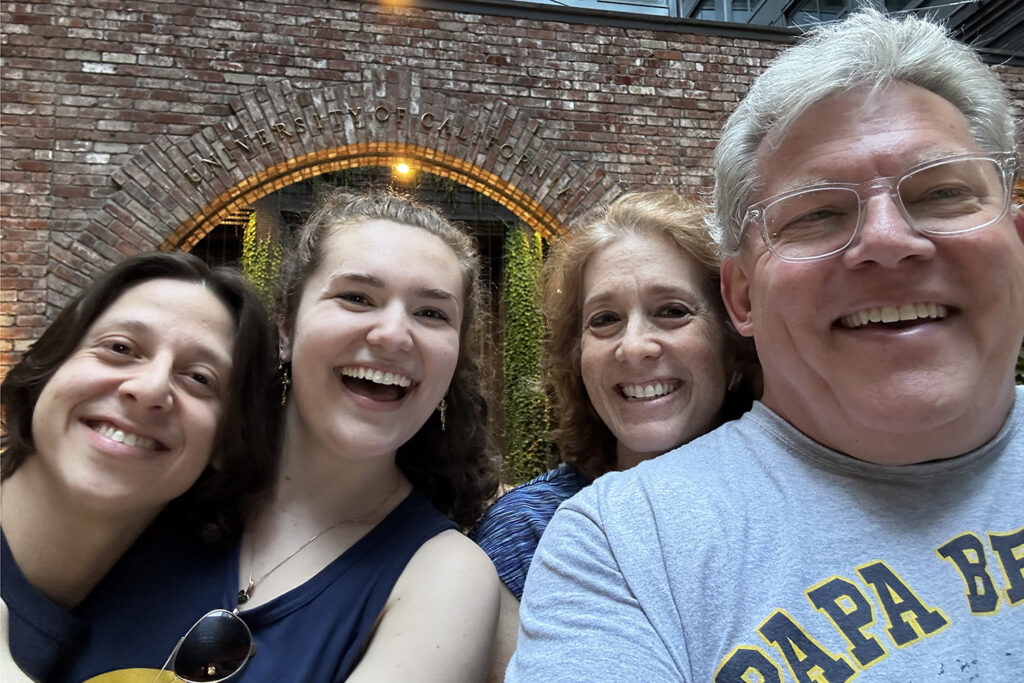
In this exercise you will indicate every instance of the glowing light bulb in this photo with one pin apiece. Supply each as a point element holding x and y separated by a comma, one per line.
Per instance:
<point>402,169</point>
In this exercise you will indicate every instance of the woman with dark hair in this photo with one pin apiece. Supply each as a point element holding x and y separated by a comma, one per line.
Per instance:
<point>640,358</point>
<point>149,387</point>
<point>355,569</point>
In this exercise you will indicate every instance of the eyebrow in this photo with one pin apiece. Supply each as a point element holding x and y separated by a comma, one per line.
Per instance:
<point>685,292</point>
<point>374,281</point>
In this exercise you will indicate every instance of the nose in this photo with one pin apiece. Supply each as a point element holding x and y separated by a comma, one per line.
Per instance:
<point>638,342</point>
<point>885,237</point>
<point>390,329</point>
<point>149,384</point>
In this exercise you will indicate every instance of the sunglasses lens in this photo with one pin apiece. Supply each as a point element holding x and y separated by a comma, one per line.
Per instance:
<point>216,648</point>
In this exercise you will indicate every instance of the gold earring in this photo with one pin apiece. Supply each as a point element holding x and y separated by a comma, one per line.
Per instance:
<point>442,408</point>
<point>284,371</point>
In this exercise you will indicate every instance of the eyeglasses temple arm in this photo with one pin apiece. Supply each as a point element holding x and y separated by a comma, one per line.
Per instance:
<point>174,653</point>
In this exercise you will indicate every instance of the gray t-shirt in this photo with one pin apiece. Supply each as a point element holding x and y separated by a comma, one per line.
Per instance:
<point>754,553</point>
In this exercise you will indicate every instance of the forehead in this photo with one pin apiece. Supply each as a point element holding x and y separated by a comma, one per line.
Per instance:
<point>861,134</point>
<point>175,309</point>
<point>167,296</point>
<point>644,258</point>
<point>394,252</point>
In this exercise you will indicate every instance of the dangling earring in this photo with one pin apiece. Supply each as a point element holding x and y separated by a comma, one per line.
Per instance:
<point>284,371</point>
<point>735,380</point>
<point>442,408</point>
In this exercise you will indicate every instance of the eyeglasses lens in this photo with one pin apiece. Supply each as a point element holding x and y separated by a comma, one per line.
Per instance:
<point>216,648</point>
<point>811,223</point>
<point>945,198</point>
<point>954,196</point>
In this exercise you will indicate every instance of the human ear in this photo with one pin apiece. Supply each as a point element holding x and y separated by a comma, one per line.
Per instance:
<point>736,295</point>
<point>284,348</point>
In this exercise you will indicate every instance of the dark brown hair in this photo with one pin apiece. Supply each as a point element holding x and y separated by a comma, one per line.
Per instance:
<point>457,469</point>
<point>581,436</point>
<point>246,443</point>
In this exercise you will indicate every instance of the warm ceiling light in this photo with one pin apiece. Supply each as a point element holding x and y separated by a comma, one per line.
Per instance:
<point>402,169</point>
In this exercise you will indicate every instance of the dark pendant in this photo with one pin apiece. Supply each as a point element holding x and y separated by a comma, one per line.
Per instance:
<point>243,597</point>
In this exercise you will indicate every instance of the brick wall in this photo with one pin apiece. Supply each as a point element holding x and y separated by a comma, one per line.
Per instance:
<point>97,97</point>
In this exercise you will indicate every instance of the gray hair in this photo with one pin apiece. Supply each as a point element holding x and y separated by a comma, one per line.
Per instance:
<point>867,49</point>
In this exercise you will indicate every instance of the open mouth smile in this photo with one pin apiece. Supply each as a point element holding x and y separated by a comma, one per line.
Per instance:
<point>646,392</point>
<point>117,434</point>
<point>894,315</point>
<point>374,383</point>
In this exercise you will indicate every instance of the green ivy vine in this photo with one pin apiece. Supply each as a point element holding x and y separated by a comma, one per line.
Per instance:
<point>261,259</point>
<point>1020,366</point>
<point>526,406</point>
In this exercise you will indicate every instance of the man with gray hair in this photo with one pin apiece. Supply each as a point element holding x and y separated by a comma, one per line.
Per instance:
<point>866,518</point>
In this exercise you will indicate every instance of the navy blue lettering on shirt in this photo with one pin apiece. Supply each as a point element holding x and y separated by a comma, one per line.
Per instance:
<point>877,613</point>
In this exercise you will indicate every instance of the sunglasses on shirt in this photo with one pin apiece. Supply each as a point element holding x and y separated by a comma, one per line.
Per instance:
<point>215,649</point>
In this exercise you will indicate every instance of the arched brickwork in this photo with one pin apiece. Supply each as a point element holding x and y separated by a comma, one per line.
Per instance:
<point>171,194</point>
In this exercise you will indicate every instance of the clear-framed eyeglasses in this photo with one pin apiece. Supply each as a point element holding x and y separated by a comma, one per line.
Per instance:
<point>949,196</point>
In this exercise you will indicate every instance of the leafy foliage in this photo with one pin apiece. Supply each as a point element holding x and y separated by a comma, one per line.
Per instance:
<point>261,259</point>
<point>526,404</point>
<point>1020,366</point>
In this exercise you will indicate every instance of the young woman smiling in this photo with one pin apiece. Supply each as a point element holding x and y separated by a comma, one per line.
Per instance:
<point>355,568</point>
<point>154,372</point>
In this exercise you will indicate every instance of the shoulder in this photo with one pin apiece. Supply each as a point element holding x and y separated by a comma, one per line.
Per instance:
<point>714,472</point>
<point>449,554</point>
<point>39,634</point>
<point>412,524</point>
<point>9,671</point>
<point>439,619</point>
<point>417,516</point>
<point>449,569</point>
<point>445,570</point>
<point>528,508</point>
<point>554,485</point>
<point>512,527</point>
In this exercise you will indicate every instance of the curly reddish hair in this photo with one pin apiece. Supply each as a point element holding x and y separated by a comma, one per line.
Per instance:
<point>582,438</point>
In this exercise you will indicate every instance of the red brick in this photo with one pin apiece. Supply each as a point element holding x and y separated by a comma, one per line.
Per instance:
<point>64,217</point>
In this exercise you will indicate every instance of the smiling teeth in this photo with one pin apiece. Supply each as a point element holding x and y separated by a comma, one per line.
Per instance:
<point>127,438</point>
<point>648,390</point>
<point>892,314</point>
<point>376,376</point>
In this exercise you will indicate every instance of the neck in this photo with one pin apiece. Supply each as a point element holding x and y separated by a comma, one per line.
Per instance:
<point>322,503</point>
<point>625,458</point>
<point>63,550</point>
<point>919,433</point>
<point>323,485</point>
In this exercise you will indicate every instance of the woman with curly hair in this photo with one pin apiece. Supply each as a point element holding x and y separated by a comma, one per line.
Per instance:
<point>356,569</point>
<point>640,358</point>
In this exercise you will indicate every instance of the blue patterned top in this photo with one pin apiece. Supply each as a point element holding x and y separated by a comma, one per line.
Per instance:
<point>511,528</point>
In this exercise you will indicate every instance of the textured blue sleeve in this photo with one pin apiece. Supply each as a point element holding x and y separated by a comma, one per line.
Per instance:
<point>512,527</point>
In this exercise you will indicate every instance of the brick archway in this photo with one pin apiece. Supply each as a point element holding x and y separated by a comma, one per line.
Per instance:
<point>171,194</point>
<point>531,210</point>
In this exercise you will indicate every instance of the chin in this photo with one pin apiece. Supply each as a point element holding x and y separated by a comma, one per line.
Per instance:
<point>907,412</point>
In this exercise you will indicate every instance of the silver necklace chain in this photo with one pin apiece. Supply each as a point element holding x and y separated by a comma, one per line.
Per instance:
<point>246,593</point>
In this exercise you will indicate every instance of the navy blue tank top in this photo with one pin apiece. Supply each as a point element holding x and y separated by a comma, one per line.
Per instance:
<point>315,632</point>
